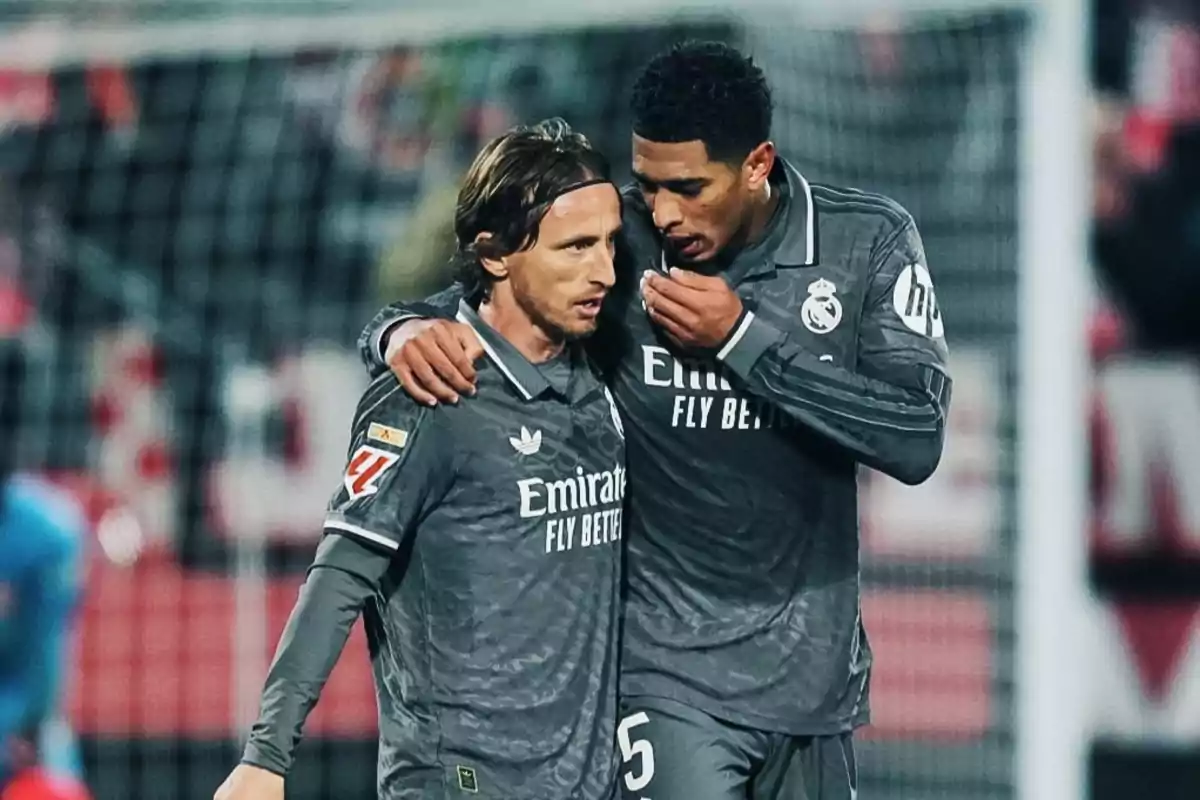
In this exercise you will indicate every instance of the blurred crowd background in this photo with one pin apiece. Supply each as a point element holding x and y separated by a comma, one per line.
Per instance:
<point>196,221</point>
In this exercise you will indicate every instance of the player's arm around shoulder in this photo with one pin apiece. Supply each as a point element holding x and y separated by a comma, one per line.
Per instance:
<point>374,338</point>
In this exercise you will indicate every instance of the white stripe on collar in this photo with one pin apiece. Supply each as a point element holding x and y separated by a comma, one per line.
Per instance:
<point>810,232</point>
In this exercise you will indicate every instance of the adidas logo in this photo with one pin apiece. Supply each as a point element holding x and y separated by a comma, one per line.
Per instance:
<point>528,443</point>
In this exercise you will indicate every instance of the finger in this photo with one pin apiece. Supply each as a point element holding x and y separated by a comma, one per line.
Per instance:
<point>469,340</point>
<point>694,280</point>
<point>428,379</point>
<point>466,343</point>
<point>451,362</point>
<point>677,333</point>
<point>683,295</point>
<point>663,305</point>
<point>409,383</point>
<point>431,353</point>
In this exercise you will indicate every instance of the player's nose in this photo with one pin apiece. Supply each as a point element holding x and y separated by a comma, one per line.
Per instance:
<point>603,270</point>
<point>666,211</point>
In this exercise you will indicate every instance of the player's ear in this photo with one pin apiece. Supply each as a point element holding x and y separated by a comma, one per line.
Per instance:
<point>757,166</point>
<point>497,267</point>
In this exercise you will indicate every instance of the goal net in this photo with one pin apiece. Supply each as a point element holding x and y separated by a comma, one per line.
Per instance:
<point>199,211</point>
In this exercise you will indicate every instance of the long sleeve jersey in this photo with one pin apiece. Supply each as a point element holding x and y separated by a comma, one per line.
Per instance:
<point>742,518</point>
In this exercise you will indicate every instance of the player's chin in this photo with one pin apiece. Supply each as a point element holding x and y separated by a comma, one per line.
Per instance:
<point>580,328</point>
<point>579,322</point>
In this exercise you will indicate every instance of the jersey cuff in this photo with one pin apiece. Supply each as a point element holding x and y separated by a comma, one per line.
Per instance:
<point>262,758</point>
<point>337,524</point>
<point>750,339</point>
<point>412,311</point>
<point>353,556</point>
<point>380,337</point>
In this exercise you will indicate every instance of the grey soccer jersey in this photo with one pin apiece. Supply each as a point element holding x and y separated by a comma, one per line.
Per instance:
<point>494,637</point>
<point>743,517</point>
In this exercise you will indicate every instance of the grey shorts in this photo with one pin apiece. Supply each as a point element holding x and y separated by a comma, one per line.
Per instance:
<point>672,751</point>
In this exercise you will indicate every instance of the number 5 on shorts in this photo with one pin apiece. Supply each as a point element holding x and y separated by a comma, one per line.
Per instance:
<point>633,748</point>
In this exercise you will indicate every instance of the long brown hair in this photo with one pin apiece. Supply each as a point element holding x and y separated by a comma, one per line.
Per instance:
<point>508,189</point>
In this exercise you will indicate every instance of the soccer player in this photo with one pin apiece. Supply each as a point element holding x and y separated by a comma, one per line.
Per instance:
<point>41,537</point>
<point>482,542</point>
<point>765,337</point>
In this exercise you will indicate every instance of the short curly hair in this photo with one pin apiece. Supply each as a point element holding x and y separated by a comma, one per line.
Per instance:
<point>706,91</point>
<point>510,187</point>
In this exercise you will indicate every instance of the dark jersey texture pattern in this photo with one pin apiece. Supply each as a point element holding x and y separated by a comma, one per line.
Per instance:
<point>493,626</point>
<point>743,562</point>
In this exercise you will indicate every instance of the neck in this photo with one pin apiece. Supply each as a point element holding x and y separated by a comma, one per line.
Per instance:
<point>502,313</point>
<point>762,209</point>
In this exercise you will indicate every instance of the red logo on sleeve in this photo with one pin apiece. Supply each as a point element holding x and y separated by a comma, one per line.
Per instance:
<point>367,466</point>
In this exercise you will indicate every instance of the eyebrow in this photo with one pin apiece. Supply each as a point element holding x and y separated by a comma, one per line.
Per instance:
<point>586,238</point>
<point>671,183</point>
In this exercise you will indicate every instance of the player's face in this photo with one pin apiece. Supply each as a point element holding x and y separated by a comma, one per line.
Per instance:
<point>701,207</point>
<point>562,280</point>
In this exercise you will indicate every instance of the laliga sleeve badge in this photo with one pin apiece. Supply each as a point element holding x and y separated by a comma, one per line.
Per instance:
<point>367,466</point>
<point>822,311</point>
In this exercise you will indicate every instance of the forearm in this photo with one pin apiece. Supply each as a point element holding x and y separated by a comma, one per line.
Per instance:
<point>45,682</point>
<point>372,342</point>
<point>14,705</point>
<point>373,339</point>
<point>896,427</point>
<point>27,702</point>
<point>47,606</point>
<point>329,603</point>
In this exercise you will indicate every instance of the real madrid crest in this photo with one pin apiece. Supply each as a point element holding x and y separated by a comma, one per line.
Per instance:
<point>822,311</point>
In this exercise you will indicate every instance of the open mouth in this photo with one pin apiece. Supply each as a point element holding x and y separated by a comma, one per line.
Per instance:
<point>687,245</point>
<point>590,307</point>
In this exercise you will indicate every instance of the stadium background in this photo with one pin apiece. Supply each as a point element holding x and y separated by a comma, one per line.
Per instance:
<point>202,202</point>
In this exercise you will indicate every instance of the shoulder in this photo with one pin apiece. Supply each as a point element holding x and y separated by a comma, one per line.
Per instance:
<point>873,225</point>
<point>387,415</point>
<point>637,223</point>
<point>385,397</point>
<point>639,247</point>
<point>844,205</point>
<point>631,195</point>
<point>49,520</point>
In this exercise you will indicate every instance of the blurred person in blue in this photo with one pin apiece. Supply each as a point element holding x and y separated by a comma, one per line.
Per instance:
<point>41,573</point>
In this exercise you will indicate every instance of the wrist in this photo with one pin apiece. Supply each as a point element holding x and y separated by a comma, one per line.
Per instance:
<point>735,333</point>
<point>749,339</point>
<point>384,346</point>
<point>399,331</point>
<point>263,769</point>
